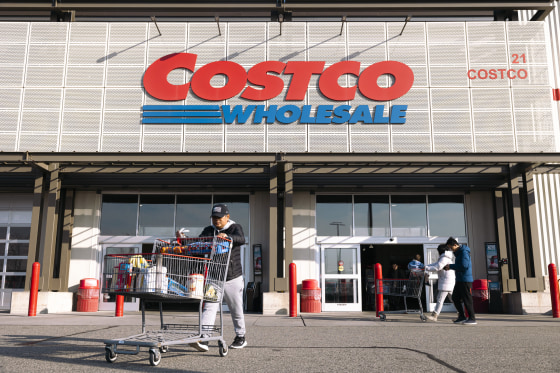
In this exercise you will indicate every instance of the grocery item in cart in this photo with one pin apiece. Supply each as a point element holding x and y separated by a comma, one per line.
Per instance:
<point>195,285</point>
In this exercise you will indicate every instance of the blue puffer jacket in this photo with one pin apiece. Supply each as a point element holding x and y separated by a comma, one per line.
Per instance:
<point>463,265</point>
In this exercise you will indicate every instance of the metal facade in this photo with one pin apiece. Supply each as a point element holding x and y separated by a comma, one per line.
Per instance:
<point>78,86</point>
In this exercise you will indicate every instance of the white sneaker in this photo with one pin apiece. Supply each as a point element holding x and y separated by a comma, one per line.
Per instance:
<point>432,317</point>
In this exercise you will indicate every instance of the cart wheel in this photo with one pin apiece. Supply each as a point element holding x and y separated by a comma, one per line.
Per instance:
<point>223,348</point>
<point>382,317</point>
<point>155,357</point>
<point>110,356</point>
<point>164,349</point>
<point>423,318</point>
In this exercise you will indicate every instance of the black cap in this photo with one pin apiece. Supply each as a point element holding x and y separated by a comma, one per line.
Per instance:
<point>219,210</point>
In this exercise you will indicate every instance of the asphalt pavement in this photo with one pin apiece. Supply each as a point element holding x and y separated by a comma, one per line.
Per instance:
<point>310,342</point>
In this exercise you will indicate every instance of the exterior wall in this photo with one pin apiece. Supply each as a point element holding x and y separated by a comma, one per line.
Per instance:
<point>85,259</point>
<point>306,252</point>
<point>79,86</point>
<point>547,191</point>
<point>258,203</point>
<point>481,226</point>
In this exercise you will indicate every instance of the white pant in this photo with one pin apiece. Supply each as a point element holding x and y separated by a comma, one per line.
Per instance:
<point>233,295</point>
<point>440,299</point>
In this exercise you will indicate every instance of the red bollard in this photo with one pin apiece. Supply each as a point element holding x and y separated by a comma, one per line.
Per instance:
<point>293,290</point>
<point>554,294</point>
<point>119,306</point>
<point>34,290</point>
<point>379,289</point>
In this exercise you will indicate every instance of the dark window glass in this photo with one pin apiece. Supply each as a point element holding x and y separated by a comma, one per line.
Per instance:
<point>18,249</point>
<point>15,282</point>
<point>371,216</point>
<point>3,232</point>
<point>334,215</point>
<point>193,214</point>
<point>340,290</point>
<point>20,233</point>
<point>16,265</point>
<point>446,215</point>
<point>408,216</point>
<point>238,206</point>
<point>157,215</point>
<point>1,266</point>
<point>118,215</point>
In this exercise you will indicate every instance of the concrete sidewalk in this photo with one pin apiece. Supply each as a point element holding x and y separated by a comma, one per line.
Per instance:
<point>324,342</point>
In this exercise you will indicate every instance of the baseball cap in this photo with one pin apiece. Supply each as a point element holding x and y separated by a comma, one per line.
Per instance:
<point>219,210</point>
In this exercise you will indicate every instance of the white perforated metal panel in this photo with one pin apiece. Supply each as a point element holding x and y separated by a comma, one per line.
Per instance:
<point>173,130</point>
<point>85,76</point>
<point>450,99</point>
<point>10,98</point>
<point>448,76</point>
<point>247,127</point>
<point>325,33</point>
<point>254,32</point>
<point>292,33</point>
<point>81,121</point>
<point>86,54</point>
<point>55,32</point>
<point>13,54</point>
<point>287,142</point>
<point>411,54</point>
<point>486,32</point>
<point>11,76</point>
<point>207,53</point>
<point>534,120</point>
<point>416,99</point>
<point>246,54</point>
<point>482,76</point>
<point>536,142</point>
<point>247,142</point>
<point>204,142</point>
<point>121,121</point>
<point>83,99</point>
<point>40,121</point>
<point>328,143</point>
<point>125,54</point>
<point>329,53</point>
<point>287,52</point>
<point>94,32</point>
<point>171,33</point>
<point>129,32</point>
<point>157,51</point>
<point>453,143</point>
<point>124,76</point>
<point>492,121</point>
<point>372,34</point>
<point>532,54</point>
<point>14,32</point>
<point>8,140</point>
<point>446,33</point>
<point>36,98</point>
<point>367,54</point>
<point>487,54</point>
<point>447,54</point>
<point>525,32</point>
<point>413,33</point>
<point>206,33</point>
<point>79,143</point>
<point>128,142</point>
<point>44,76</point>
<point>125,98</point>
<point>451,121</point>
<point>369,143</point>
<point>416,122</point>
<point>46,54</point>
<point>411,142</point>
<point>161,143</point>
<point>493,143</point>
<point>532,98</point>
<point>8,120</point>
<point>490,98</point>
<point>38,142</point>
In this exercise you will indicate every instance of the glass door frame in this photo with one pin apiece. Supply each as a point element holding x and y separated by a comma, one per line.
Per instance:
<point>354,276</point>
<point>431,256</point>
<point>110,306</point>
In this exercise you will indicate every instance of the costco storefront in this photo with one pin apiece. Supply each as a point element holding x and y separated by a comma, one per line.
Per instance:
<point>359,142</point>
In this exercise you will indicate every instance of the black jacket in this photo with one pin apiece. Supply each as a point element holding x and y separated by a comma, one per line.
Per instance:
<point>235,234</point>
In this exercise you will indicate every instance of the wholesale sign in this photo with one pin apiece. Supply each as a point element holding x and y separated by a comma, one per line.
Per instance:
<point>268,84</point>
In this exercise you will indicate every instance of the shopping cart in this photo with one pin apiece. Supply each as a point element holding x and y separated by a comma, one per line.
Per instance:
<point>178,270</point>
<point>403,288</point>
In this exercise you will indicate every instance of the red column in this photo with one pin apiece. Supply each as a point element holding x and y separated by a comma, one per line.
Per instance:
<point>293,290</point>
<point>34,290</point>
<point>119,306</point>
<point>378,289</point>
<point>554,294</point>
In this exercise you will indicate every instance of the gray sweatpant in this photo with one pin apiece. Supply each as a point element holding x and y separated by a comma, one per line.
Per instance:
<point>233,295</point>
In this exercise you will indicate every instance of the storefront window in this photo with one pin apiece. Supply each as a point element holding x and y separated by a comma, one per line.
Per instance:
<point>371,216</point>
<point>119,215</point>
<point>334,215</point>
<point>446,215</point>
<point>408,216</point>
<point>193,213</point>
<point>238,207</point>
<point>340,290</point>
<point>157,215</point>
<point>340,261</point>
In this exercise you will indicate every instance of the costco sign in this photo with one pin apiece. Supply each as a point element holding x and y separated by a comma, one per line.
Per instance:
<point>266,81</point>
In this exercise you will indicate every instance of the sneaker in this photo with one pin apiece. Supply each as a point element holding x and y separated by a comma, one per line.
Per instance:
<point>432,317</point>
<point>238,342</point>
<point>200,346</point>
<point>460,320</point>
<point>470,322</point>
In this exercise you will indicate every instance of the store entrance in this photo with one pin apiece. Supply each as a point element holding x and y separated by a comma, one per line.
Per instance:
<point>386,255</point>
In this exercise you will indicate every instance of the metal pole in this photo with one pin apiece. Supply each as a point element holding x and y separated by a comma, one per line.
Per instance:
<point>554,294</point>
<point>34,291</point>
<point>293,290</point>
<point>378,289</point>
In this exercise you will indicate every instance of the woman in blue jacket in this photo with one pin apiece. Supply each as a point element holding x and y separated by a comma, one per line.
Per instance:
<point>463,282</point>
